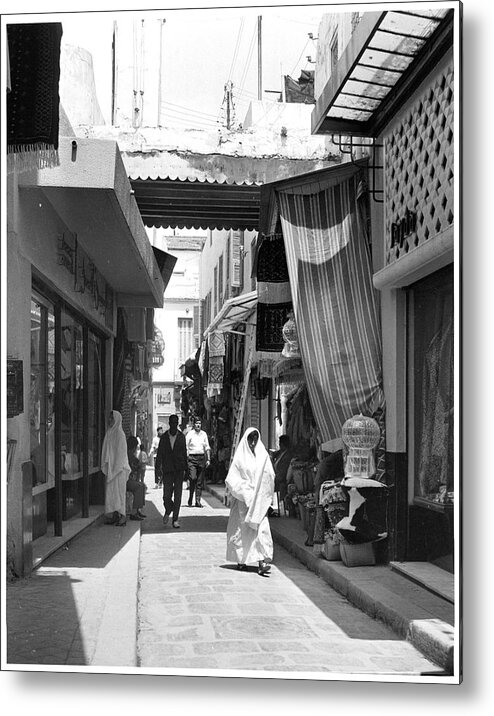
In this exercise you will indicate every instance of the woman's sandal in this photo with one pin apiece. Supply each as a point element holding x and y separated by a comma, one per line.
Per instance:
<point>263,569</point>
<point>121,522</point>
<point>241,567</point>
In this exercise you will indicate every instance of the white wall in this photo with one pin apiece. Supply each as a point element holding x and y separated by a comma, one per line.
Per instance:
<point>181,296</point>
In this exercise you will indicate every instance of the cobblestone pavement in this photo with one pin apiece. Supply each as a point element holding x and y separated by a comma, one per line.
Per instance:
<point>196,611</point>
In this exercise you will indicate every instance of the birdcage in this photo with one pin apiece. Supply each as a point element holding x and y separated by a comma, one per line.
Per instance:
<point>361,435</point>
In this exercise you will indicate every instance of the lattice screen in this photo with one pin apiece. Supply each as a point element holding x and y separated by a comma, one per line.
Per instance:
<point>419,168</point>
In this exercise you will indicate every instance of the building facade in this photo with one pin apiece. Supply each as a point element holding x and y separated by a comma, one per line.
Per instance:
<point>78,326</point>
<point>405,66</point>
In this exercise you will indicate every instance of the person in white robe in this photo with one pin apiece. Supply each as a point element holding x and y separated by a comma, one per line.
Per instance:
<point>250,482</point>
<point>115,465</point>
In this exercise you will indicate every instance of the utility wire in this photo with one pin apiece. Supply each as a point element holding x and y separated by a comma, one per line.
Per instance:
<point>188,115</point>
<point>175,122</point>
<point>189,110</point>
<point>193,124</point>
<point>296,65</point>
<point>235,53</point>
<point>249,57</point>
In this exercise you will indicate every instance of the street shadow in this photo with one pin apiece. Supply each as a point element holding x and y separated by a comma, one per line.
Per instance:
<point>40,635</point>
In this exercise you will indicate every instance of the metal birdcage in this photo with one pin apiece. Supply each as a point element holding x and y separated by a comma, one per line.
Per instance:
<point>361,435</point>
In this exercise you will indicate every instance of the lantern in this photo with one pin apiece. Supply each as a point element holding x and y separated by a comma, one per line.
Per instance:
<point>361,435</point>
<point>290,336</point>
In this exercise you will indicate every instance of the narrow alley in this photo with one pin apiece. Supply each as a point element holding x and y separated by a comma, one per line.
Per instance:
<point>195,611</point>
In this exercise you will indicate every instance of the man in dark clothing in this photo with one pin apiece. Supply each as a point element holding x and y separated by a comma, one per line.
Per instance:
<point>171,459</point>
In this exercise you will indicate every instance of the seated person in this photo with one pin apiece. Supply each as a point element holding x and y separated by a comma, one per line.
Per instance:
<point>134,485</point>
<point>281,463</point>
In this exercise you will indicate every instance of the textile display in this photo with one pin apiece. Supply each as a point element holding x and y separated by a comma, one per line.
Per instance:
<point>216,372</point>
<point>366,519</point>
<point>202,358</point>
<point>273,293</point>
<point>216,344</point>
<point>335,303</point>
<point>33,101</point>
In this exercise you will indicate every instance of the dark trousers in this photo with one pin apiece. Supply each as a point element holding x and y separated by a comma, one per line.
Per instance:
<point>172,492</point>
<point>158,475</point>
<point>197,467</point>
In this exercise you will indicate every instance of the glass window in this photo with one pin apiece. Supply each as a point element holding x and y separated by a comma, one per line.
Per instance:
<point>185,339</point>
<point>96,396</point>
<point>41,394</point>
<point>433,345</point>
<point>72,386</point>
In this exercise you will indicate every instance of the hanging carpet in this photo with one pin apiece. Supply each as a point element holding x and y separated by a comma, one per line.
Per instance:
<point>274,300</point>
<point>33,101</point>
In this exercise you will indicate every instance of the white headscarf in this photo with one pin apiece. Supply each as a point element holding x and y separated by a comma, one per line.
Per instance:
<point>114,458</point>
<point>251,478</point>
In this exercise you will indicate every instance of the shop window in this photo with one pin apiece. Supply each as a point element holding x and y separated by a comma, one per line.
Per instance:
<point>71,381</point>
<point>433,388</point>
<point>96,394</point>
<point>41,394</point>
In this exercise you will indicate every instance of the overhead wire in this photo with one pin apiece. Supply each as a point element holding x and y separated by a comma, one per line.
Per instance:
<point>237,45</point>
<point>189,109</point>
<point>301,54</point>
<point>189,119</point>
<point>249,57</point>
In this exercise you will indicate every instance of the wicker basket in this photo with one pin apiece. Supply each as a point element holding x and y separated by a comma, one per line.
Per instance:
<point>331,551</point>
<point>357,555</point>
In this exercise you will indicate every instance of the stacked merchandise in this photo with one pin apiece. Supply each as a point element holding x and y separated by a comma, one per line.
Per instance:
<point>334,502</point>
<point>365,522</point>
<point>300,499</point>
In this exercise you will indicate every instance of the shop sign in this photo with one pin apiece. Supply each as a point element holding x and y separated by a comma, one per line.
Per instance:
<point>403,228</point>
<point>87,278</point>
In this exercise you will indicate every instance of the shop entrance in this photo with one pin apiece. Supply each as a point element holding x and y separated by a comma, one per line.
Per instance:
<point>431,423</point>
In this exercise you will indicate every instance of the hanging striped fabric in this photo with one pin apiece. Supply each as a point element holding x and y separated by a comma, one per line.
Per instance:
<point>334,301</point>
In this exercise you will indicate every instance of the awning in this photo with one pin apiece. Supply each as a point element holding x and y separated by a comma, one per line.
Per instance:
<point>384,61</point>
<point>210,188</point>
<point>195,204</point>
<point>236,310</point>
<point>166,263</point>
<point>91,193</point>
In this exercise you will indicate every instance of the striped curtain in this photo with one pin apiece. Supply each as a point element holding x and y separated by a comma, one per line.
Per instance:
<point>335,303</point>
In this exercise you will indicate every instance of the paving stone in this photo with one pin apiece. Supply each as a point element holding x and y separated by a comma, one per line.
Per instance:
<point>229,647</point>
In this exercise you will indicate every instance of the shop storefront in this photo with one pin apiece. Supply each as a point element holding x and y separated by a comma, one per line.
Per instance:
<point>65,290</point>
<point>407,128</point>
<point>66,410</point>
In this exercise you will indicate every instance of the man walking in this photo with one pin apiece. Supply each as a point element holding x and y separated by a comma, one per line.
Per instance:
<point>199,458</point>
<point>171,459</point>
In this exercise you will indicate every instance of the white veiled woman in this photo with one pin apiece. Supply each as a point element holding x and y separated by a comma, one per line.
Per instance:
<point>250,481</point>
<point>115,465</point>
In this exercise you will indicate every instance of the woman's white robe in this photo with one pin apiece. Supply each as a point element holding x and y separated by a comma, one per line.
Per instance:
<point>250,482</point>
<point>115,465</point>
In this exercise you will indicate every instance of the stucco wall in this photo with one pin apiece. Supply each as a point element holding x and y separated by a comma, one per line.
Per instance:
<point>77,88</point>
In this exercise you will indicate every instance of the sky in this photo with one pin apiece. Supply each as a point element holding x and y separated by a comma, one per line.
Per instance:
<point>203,49</point>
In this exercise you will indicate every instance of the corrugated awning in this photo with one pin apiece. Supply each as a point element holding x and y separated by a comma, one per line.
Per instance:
<point>236,310</point>
<point>382,64</point>
<point>195,204</point>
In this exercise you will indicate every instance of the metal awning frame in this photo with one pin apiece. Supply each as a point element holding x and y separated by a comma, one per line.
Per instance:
<point>407,80</point>
<point>233,312</point>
